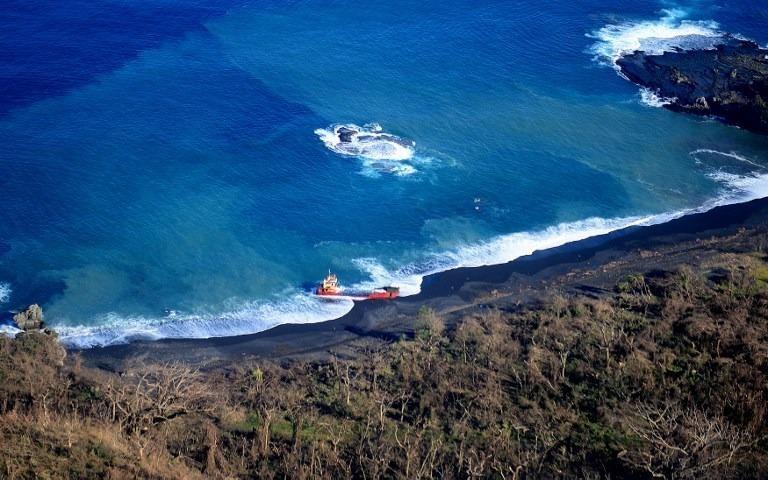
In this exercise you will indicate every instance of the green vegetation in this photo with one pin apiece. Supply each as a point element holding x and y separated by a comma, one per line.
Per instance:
<point>666,376</point>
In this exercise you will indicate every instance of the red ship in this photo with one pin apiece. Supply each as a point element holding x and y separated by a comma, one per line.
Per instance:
<point>331,288</point>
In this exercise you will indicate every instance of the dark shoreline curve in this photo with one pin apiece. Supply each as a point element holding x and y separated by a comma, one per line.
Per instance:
<point>370,323</point>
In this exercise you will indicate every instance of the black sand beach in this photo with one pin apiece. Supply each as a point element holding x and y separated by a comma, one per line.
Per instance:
<point>588,266</point>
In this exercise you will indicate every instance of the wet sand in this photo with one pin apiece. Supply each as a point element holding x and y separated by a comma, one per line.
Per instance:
<point>588,266</point>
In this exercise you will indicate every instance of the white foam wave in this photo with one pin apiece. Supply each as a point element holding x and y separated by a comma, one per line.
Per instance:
<point>9,330</point>
<point>505,248</point>
<point>731,155</point>
<point>741,188</point>
<point>369,141</point>
<point>244,319</point>
<point>5,292</point>
<point>305,308</point>
<point>374,169</point>
<point>669,33</point>
<point>654,99</point>
<point>408,278</point>
<point>501,249</point>
<point>5,295</point>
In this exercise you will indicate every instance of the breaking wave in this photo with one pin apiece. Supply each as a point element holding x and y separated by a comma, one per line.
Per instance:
<point>5,295</point>
<point>700,156</point>
<point>672,32</point>
<point>10,330</point>
<point>243,319</point>
<point>735,188</point>
<point>743,187</point>
<point>669,33</point>
<point>501,249</point>
<point>374,169</point>
<point>381,152</point>
<point>302,307</point>
<point>369,141</point>
<point>742,178</point>
<point>654,99</point>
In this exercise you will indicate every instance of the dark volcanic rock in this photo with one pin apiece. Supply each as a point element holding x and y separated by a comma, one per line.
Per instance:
<point>346,134</point>
<point>729,82</point>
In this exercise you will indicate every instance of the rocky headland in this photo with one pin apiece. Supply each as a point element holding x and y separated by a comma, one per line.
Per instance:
<point>729,82</point>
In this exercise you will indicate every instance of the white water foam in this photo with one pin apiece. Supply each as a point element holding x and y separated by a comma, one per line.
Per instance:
<point>670,33</point>
<point>369,141</point>
<point>243,319</point>
<point>305,308</point>
<point>408,278</point>
<point>9,330</point>
<point>505,248</point>
<point>381,152</point>
<point>667,34</point>
<point>302,307</point>
<point>731,155</point>
<point>654,99</point>
<point>374,169</point>
<point>501,249</point>
<point>742,187</point>
<point>5,295</point>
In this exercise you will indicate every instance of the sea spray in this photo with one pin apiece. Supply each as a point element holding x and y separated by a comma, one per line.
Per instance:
<point>654,99</point>
<point>504,248</point>
<point>240,199</point>
<point>369,141</point>
<point>249,317</point>
<point>730,155</point>
<point>302,307</point>
<point>380,152</point>
<point>669,33</point>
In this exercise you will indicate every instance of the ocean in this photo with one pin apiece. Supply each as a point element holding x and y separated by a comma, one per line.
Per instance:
<point>171,169</point>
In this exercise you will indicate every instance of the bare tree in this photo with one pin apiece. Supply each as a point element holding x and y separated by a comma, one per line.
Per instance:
<point>681,443</point>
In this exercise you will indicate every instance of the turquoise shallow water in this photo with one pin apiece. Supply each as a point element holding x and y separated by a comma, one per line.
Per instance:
<point>171,181</point>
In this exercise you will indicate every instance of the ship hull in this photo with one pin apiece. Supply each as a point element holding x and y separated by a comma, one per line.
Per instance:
<point>381,296</point>
<point>358,295</point>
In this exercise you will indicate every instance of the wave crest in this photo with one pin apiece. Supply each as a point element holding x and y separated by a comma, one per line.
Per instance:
<point>302,307</point>
<point>500,249</point>
<point>369,141</point>
<point>669,33</point>
<point>736,188</point>
<point>243,319</point>
<point>654,99</point>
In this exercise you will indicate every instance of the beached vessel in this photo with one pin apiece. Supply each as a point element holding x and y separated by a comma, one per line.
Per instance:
<point>330,287</point>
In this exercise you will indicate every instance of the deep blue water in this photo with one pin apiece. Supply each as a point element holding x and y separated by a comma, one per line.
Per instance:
<point>160,174</point>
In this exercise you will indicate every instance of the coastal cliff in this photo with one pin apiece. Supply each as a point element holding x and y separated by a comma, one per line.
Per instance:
<point>729,82</point>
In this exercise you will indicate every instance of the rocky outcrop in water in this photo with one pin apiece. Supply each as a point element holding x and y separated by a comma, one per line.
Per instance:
<point>30,319</point>
<point>729,82</point>
<point>346,135</point>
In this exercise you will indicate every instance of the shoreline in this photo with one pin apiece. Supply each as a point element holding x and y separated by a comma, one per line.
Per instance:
<point>372,323</point>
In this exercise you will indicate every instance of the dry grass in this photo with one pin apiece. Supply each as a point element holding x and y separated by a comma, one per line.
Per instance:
<point>667,376</point>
